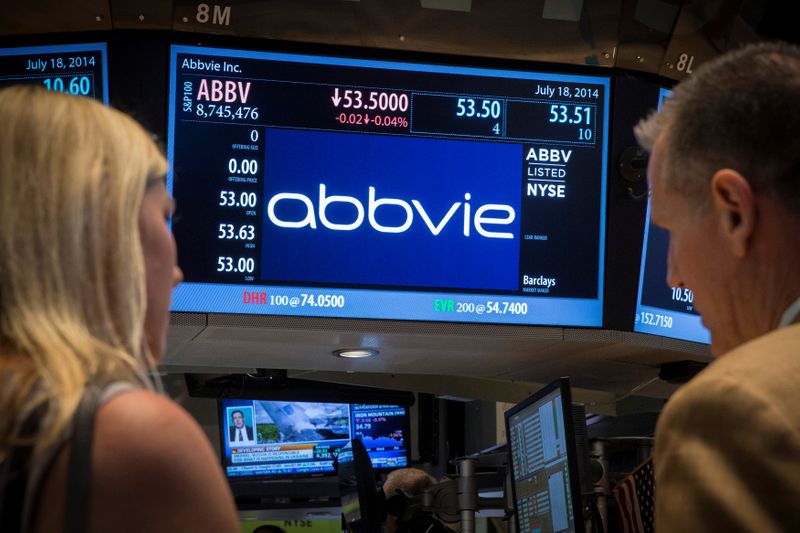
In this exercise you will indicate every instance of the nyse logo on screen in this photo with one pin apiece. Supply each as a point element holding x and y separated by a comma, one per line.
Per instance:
<point>547,172</point>
<point>487,221</point>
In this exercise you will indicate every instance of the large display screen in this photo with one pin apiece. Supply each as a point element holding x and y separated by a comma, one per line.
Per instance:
<point>661,309</point>
<point>71,68</point>
<point>325,186</point>
<point>285,438</point>
<point>541,449</point>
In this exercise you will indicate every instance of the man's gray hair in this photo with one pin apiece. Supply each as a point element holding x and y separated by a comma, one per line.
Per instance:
<point>739,111</point>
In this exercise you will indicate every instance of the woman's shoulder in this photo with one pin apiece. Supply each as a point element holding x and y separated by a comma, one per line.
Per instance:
<point>153,469</point>
<point>141,434</point>
<point>151,448</point>
<point>143,420</point>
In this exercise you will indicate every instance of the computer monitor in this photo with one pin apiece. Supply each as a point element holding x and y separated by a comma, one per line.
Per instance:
<point>362,505</point>
<point>316,185</point>
<point>282,438</point>
<point>544,462</point>
<point>661,309</point>
<point>78,69</point>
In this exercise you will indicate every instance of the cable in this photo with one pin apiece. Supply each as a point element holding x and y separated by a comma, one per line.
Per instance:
<point>631,392</point>
<point>597,521</point>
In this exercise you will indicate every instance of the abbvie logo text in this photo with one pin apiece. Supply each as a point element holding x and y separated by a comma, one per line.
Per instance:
<point>486,221</point>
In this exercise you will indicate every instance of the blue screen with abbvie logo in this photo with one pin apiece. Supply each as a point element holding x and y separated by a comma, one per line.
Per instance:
<point>311,185</point>
<point>392,243</point>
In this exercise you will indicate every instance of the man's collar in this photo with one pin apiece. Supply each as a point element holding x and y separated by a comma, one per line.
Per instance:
<point>791,314</point>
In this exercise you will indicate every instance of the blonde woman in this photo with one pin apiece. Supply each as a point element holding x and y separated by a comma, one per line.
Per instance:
<point>87,266</point>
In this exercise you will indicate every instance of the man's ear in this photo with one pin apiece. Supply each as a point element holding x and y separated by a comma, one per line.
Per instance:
<point>734,205</point>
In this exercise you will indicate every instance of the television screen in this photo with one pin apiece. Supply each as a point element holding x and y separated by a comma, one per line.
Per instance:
<point>285,438</point>
<point>544,463</point>
<point>70,68</point>
<point>340,187</point>
<point>661,309</point>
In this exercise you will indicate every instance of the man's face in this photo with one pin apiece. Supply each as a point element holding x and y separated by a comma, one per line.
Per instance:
<point>696,259</point>
<point>238,420</point>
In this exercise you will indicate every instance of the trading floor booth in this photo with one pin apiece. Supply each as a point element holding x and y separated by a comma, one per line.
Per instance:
<point>412,234</point>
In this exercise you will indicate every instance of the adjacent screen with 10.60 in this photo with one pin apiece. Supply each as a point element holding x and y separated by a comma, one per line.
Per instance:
<point>78,69</point>
<point>324,186</point>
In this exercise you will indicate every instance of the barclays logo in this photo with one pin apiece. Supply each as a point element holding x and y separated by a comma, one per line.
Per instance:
<point>487,220</point>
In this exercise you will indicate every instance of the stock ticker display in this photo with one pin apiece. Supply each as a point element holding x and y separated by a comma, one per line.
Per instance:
<point>326,186</point>
<point>661,309</point>
<point>541,467</point>
<point>78,69</point>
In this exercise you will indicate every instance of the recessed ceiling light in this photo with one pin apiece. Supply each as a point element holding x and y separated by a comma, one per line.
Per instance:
<point>355,353</point>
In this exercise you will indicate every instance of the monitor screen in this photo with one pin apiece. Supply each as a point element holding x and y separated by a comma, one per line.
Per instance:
<point>348,485</point>
<point>361,503</point>
<point>284,438</point>
<point>544,477</point>
<point>340,187</point>
<point>661,309</point>
<point>70,68</point>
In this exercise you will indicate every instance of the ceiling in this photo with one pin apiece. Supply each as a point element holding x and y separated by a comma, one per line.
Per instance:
<point>664,37</point>
<point>470,361</point>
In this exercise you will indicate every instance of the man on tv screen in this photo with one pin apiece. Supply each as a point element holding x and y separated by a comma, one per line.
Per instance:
<point>239,433</point>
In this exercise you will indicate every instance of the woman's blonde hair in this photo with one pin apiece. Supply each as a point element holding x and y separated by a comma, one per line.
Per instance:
<point>72,289</point>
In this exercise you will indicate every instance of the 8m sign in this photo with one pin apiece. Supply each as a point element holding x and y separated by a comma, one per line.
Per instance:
<point>214,14</point>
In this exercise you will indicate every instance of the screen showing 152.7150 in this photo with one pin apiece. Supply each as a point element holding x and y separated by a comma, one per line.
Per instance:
<point>661,309</point>
<point>324,186</point>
